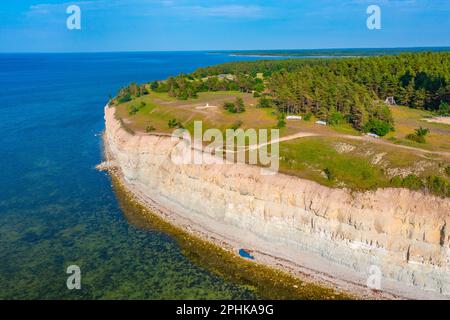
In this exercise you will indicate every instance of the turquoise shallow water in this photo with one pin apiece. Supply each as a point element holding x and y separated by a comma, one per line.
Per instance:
<point>56,210</point>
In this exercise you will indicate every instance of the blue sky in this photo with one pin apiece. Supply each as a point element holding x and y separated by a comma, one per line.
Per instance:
<point>146,25</point>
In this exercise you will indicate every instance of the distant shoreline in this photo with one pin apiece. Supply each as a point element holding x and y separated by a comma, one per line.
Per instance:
<point>289,56</point>
<point>330,53</point>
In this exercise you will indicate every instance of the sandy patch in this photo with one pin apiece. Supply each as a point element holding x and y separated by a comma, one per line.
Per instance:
<point>443,120</point>
<point>206,107</point>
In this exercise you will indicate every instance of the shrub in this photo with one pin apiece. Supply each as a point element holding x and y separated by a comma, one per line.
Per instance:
<point>133,109</point>
<point>264,102</point>
<point>174,123</point>
<point>439,186</point>
<point>124,98</point>
<point>281,121</point>
<point>415,138</point>
<point>422,132</point>
<point>150,128</point>
<point>154,85</point>
<point>434,184</point>
<point>396,181</point>
<point>412,182</point>
<point>335,118</point>
<point>230,107</point>
<point>307,116</point>
<point>143,90</point>
<point>378,127</point>
<point>236,107</point>
<point>256,94</point>
<point>329,173</point>
<point>444,109</point>
<point>419,135</point>
<point>240,107</point>
<point>162,87</point>
<point>447,170</point>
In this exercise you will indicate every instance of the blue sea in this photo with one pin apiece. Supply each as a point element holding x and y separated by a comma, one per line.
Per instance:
<point>57,210</point>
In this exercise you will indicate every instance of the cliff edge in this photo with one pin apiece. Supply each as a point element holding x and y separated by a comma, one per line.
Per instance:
<point>336,233</point>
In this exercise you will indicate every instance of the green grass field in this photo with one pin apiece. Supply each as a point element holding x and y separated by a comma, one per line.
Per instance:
<point>407,120</point>
<point>357,165</point>
<point>316,159</point>
<point>160,108</point>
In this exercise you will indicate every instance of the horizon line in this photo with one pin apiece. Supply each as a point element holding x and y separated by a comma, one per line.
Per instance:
<point>224,50</point>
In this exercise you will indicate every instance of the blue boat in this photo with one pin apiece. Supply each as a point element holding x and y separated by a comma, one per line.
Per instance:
<point>246,254</point>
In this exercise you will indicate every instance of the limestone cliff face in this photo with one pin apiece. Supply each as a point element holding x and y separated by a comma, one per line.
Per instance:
<point>404,233</point>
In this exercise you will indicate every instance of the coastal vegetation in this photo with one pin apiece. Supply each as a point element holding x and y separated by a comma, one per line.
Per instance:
<point>444,109</point>
<point>418,135</point>
<point>174,123</point>
<point>260,281</point>
<point>132,91</point>
<point>338,162</point>
<point>235,107</point>
<point>418,80</point>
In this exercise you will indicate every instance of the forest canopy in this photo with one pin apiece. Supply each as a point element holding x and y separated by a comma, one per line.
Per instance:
<point>418,80</point>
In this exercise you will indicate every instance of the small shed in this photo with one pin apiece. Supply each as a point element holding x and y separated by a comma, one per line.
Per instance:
<point>390,101</point>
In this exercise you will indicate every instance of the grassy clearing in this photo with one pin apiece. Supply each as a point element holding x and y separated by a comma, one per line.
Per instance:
<point>407,120</point>
<point>316,159</point>
<point>338,162</point>
<point>160,108</point>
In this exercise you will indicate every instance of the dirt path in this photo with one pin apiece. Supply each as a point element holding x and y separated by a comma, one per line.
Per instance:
<point>386,143</point>
<point>300,135</point>
<point>350,137</point>
<point>282,139</point>
<point>441,120</point>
